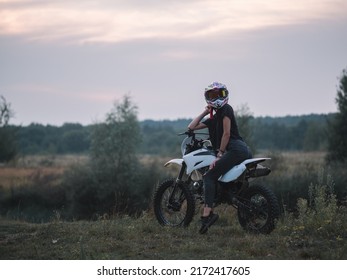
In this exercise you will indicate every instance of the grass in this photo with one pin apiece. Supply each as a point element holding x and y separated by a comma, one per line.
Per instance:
<point>19,176</point>
<point>143,238</point>
<point>28,168</point>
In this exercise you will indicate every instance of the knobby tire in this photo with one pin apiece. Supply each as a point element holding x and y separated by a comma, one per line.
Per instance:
<point>179,212</point>
<point>261,210</point>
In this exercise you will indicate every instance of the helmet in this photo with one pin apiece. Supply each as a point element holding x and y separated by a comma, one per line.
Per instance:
<point>216,95</point>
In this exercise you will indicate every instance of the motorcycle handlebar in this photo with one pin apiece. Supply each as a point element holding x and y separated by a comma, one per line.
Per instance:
<point>190,133</point>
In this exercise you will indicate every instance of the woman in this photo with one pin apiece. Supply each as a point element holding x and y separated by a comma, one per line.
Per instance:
<point>225,139</point>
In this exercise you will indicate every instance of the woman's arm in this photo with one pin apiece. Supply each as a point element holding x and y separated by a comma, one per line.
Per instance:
<point>196,123</point>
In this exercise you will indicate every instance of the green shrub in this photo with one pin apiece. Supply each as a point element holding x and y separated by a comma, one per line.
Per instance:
<point>90,196</point>
<point>320,215</point>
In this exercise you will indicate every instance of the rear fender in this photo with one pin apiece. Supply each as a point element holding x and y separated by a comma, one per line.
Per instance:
<point>237,170</point>
<point>254,161</point>
<point>233,173</point>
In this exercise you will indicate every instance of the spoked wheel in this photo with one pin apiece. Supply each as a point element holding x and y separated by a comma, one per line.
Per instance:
<point>174,204</point>
<point>258,210</point>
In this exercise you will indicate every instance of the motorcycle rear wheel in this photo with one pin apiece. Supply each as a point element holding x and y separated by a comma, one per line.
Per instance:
<point>259,210</point>
<point>173,209</point>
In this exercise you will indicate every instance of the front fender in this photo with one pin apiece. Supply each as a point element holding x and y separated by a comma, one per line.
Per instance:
<point>177,161</point>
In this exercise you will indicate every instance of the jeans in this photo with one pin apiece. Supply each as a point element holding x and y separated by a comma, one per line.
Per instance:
<point>237,152</point>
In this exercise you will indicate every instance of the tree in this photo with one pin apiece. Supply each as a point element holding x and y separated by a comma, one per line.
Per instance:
<point>113,181</point>
<point>5,112</point>
<point>114,161</point>
<point>338,128</point>
<point>114,143</point>
<point>8,148</point>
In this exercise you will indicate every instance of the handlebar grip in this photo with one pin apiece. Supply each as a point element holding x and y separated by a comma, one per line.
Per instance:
<point>188,132</point>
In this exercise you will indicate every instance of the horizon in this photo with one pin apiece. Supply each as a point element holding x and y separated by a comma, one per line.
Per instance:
<point>170,120</point>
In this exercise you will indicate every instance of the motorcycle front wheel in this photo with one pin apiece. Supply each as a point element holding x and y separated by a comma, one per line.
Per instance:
<point>173,204</point>
<point>258,210</point>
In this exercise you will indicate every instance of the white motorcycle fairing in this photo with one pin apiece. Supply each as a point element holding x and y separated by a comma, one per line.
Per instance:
<point>198,159</point>
<point>194,160</point>
<point>204,157</point>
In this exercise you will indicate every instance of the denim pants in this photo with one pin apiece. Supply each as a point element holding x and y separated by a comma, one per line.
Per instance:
<point>237,152</point>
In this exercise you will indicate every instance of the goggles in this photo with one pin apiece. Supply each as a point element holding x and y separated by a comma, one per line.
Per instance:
<point>216,94</point>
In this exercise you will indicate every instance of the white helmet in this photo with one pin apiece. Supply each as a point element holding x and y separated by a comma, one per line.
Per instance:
<point>216,95</point>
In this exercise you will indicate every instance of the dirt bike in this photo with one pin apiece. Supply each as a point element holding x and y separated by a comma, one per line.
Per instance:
<point>175,199</point>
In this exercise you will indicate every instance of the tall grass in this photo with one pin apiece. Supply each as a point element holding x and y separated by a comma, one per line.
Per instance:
<point>37,194</point>
<point>293,173</point>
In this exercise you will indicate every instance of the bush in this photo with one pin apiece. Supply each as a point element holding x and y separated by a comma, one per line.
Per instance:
<point>113,182</point>
<point>90,196</point>
<point>320,215</point>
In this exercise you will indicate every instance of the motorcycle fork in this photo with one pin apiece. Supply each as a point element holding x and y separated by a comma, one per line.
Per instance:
<point>177,183</point>
<point>181,174</point>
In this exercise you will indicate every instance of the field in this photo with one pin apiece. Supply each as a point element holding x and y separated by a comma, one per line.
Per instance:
<point>318,233</point>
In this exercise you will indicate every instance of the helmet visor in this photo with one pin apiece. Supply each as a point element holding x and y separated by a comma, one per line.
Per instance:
<point>215,94</point>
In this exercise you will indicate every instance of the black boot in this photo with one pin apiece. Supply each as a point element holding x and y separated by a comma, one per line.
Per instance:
<point>208,221</point>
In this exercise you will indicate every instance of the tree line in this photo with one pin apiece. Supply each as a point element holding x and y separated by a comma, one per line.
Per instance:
<point>291,133</point>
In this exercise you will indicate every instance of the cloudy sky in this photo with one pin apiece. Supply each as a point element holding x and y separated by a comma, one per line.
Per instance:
<point>69,61</point>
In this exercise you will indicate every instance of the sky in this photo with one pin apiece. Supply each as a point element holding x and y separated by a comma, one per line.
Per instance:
<point>70,61</point>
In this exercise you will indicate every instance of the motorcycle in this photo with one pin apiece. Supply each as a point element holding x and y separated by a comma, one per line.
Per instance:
<point>176,199</point>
